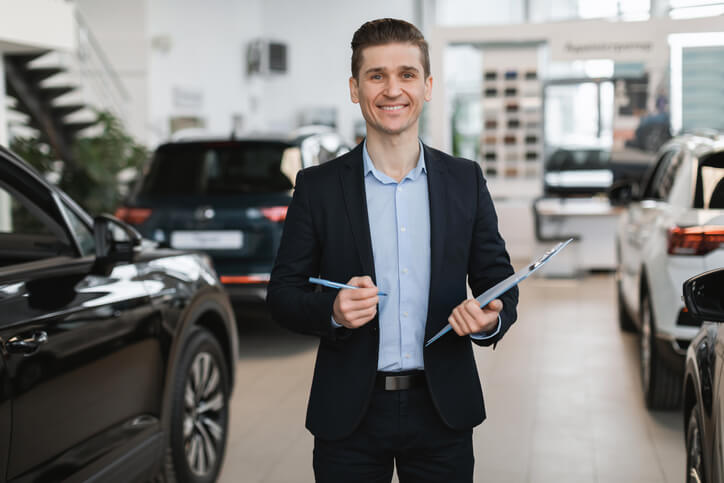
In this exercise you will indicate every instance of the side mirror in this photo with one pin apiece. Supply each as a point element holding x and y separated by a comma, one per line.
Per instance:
<point>115,240</point>
<point>704,296</point>
<point>621,193</point>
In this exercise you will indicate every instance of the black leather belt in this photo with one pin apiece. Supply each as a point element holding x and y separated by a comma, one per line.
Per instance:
<point>399,382</point>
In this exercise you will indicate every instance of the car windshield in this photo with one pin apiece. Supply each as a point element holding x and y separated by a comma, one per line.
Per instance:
<point>231,167</point>
<point>569,159</point>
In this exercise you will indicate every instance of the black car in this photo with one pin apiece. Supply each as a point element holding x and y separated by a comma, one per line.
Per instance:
<point>227,197</point>
<point>703,386</point>
<point>117,358</point>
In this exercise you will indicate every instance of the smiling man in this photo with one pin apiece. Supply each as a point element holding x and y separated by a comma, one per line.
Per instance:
<point>398,217</point>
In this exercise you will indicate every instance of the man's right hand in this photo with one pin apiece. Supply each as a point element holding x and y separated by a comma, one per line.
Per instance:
<point>353,308</point>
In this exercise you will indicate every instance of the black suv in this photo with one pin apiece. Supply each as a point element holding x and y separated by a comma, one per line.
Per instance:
<point>116,358</point>
<point>227,197</point>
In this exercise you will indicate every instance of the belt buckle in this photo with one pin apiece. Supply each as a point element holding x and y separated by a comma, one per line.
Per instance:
<point>396,383</point>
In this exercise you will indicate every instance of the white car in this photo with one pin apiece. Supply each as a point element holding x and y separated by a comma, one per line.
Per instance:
<point>672,229</point>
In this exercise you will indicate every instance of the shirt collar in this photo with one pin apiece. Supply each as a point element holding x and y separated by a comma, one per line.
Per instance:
<point>369,166</point>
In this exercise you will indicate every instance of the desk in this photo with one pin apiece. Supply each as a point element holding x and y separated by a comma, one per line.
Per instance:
<point>591,221</point>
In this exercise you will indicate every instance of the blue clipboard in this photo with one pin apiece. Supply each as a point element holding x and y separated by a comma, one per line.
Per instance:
<point>491,294</point>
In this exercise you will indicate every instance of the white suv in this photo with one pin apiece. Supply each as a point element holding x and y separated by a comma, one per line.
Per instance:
<point>672,229</point>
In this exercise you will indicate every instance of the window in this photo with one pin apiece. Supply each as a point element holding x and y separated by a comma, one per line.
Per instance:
<point>663,177</point>
<point>223,168</point>
<point>83,235</point>
<point>710,182</point>
<point>27,233</point>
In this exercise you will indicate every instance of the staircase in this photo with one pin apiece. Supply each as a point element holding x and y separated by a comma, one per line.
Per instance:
<point>56,94</point>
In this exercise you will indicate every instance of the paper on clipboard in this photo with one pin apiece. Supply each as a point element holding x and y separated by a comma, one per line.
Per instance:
<point>500,288</point>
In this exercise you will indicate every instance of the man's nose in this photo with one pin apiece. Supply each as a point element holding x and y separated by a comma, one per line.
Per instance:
<point>393,88</point>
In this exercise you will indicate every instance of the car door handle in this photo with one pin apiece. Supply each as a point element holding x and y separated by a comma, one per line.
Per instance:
<point>18,345</point>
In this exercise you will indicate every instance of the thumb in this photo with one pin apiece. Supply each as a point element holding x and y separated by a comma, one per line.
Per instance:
<point>365,282</point>
<point>495,305</point>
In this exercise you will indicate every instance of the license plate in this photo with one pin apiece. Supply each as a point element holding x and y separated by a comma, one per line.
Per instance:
<point>207,240</point>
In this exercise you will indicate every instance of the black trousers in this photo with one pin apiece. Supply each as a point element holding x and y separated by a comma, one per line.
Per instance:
<point>402,428</point>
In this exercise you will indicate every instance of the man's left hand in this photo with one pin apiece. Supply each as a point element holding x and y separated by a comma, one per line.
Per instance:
<point>468,318</point>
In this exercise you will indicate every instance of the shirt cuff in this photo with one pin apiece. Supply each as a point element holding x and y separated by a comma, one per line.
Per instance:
<point>337,326</point>
<point>483,335</point>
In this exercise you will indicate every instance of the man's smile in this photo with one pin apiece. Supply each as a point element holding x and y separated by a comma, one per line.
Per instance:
<point>396,107</point>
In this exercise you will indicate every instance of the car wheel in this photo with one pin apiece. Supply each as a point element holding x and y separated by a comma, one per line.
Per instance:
<point>694,450</point>
<point>661,385</point>
<point>200,411</point>
<point>625,322</point>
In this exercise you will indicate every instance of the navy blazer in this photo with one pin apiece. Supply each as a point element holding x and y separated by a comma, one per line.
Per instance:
<point>326,234</point>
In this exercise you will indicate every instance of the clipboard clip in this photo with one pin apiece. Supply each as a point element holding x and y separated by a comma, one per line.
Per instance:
<point>547,255</point>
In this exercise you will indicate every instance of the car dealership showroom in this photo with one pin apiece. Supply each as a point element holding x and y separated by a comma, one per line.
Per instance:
<point>239,246</point>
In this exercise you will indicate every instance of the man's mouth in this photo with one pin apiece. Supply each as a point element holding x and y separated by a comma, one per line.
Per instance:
<point>393,108</point>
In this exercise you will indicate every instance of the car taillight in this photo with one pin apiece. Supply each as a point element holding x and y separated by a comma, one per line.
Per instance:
<point>133,216</point>
<point>242,279</point>
<point>695,240</point>
<point>274,213</point>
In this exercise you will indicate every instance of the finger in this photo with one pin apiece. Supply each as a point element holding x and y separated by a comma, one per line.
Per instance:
<point>361,317</point>
<point>364,281</point>
<point>460,327</point>
<point>361,293</point>
<point>350,305</point>
<point>455,325</point>
<point>494,305</point>
<point>469,321</point>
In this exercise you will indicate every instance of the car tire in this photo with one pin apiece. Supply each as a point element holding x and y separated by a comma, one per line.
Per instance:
<point>199,412</point>
<point>625,322</point>
<point>694,449</point>
<point>661,385</point>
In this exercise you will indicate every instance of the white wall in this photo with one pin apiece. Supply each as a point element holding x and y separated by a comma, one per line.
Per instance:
<point>207,51</point>
<point>319,55</point>
<point>122,35</point>
<point>22,28</point>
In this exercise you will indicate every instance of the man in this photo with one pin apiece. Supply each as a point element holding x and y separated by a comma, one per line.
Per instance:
<point>396,216</point>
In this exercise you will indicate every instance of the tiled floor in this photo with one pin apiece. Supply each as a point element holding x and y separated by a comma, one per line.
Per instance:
<point>562,393</point>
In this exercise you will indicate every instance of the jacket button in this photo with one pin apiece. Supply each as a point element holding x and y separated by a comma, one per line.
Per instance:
<point>373,329</point>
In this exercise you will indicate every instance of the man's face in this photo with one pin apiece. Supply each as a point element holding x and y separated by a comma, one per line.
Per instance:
<point>392,87</point>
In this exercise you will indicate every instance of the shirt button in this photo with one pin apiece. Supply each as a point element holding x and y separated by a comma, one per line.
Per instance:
<point>399,188</point>
<point>404,314</point>
<point>403,229</point>
<point>404,270</point>
<point>407,356</point>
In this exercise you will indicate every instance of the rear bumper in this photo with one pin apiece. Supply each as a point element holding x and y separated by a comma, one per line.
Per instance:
<point>252,293</point>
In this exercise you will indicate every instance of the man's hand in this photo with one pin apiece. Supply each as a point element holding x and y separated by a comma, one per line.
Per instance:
<point>353,308</point>
<point>468,318</point>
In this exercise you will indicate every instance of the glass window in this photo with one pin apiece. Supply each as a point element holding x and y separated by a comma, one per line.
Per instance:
<point>83,234</point>
<point>221,168</point>
<point>659,186</point>
<point>710,183</point>
<point>695,8</point>
<point>27,233</point>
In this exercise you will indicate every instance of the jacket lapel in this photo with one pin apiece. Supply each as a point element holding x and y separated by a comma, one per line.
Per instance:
<point>437,189</point>
<point>355,199</point>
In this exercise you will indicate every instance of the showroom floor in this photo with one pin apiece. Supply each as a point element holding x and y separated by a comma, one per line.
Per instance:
<point>562,393</point>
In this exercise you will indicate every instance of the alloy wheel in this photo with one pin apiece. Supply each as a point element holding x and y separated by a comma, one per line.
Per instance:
<point>204,404</point>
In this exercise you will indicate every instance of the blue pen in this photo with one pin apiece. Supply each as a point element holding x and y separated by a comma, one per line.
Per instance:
<point>327,283</point>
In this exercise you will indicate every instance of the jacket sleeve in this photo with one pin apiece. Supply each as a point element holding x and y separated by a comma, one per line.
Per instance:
<point>294,303</point>
<point>489,261</point>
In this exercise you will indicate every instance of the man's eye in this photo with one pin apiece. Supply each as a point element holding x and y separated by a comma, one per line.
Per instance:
<point>408,75</point>
<point>376,77</point>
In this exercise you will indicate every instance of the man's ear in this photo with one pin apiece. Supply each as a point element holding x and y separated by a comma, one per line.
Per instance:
<point>428,88</point>
<point>353,90</point>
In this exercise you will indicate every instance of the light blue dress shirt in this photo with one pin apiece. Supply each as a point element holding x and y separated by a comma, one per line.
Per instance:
<point>399,218</point>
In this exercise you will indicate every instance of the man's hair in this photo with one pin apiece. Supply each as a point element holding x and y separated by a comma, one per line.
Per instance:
<point>385,31</point>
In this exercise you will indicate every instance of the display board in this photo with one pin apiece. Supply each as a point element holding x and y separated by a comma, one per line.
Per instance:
<point>510,142</point>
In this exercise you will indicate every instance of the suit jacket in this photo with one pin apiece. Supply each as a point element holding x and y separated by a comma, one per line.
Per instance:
<point>327,234</point>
